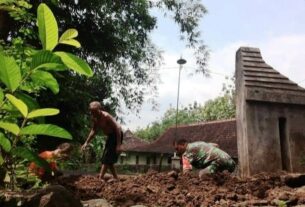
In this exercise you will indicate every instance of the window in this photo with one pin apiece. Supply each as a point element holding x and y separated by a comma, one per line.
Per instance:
<point>169,160</point>
<point>148,160</point>
<point>137,159</point>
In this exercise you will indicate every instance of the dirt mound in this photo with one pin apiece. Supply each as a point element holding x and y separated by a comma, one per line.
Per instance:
<point>170,189</point>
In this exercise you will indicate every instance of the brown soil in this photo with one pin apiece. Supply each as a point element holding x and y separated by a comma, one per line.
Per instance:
<point>170,189</point>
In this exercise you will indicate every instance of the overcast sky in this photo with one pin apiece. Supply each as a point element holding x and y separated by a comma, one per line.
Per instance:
<point>277,27</point>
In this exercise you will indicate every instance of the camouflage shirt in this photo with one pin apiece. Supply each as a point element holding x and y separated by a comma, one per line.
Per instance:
<point>201,155</point>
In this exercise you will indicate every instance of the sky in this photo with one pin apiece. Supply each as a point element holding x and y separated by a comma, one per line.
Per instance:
<point>276,27</point>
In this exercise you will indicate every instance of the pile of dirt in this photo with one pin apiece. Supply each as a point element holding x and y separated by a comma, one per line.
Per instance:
<point>171,189</point>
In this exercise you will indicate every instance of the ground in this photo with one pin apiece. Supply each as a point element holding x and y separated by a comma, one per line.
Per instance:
<point>173,189</point>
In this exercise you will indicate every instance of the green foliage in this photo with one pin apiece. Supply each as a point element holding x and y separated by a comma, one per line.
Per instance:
<point>46,129</point>
<point>22,107</point>
<point>186,115</point>
<point>282,203</point>
<point>24,72</point>
<point>5,143</point>
<point>75,159</point>
<point>9,72</point>
<point>97,146</point>
<point>43,112</point>
<point>16,8</point>
<point>46,79</point>
<point>75,63</point>
<point>115,37</point>
<point>67,38</point>
<point>222,107</point>
<point>48,29</point>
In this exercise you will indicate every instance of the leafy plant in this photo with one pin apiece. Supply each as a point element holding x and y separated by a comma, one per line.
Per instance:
<point>24,72</point>
<point>282,203</point>
<point>75,159</point>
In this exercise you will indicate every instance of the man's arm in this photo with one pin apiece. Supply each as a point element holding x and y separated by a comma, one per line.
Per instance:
<point>90,137</point>
<point>186,164</point>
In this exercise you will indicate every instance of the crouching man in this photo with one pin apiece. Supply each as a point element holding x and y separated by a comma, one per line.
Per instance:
<point>205,156</point>
<point>62,152</point>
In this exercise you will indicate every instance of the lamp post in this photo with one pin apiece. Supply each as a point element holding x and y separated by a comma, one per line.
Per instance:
<point>176,162</point>
<point>181,62</point>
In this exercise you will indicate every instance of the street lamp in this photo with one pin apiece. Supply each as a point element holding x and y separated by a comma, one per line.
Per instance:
<point>181,62</point>
<point>176,162</point>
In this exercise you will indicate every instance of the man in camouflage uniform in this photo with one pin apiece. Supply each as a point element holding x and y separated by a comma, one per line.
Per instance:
<point>205,156</point>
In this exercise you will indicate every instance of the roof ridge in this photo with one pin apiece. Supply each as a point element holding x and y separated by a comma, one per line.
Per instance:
<point>261,82</point>
<point>203,123</point>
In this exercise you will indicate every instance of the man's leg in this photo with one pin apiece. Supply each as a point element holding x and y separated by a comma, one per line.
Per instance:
<point>203,172</point>
<point>104,168</point>
<point>211,169</point>
<point>113,171</point>
<point>230,165</point>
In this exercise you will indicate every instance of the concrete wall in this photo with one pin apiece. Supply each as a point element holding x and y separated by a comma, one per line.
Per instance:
<point>270,117</point>
<point>267,151</point>
<point>241,123</point>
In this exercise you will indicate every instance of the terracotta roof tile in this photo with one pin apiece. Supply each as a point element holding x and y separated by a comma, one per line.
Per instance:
<point>130,141</point>
<point>221,132</point>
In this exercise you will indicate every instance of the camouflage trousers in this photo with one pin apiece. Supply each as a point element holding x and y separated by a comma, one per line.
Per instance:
<point>219,166</point>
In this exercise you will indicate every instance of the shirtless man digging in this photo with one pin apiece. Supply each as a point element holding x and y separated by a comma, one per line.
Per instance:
<point>104,121</point>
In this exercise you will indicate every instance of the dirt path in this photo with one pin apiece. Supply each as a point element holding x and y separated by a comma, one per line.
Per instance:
<point>164,189</point>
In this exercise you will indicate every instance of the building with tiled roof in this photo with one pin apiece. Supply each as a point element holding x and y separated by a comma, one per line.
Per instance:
<point>159,153</point>
<point>130,141</point>
<point>221,132</point>
<point>128,156</point>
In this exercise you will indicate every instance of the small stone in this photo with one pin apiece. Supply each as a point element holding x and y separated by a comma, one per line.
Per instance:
<point>173,174</point>
<point>171,187</point>
<point>152,189</point>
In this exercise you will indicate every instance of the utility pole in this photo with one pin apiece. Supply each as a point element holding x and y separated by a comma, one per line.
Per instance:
<point>181,62</point>
<point>176,162</point>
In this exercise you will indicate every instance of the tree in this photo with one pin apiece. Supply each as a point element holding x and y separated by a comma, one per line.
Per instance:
<point>186,115</point>
<point>115,43</point>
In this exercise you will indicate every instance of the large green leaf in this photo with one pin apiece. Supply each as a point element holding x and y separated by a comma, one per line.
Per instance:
<point>28,100</point>
<point>46,79</point>
<point>68,34</point>
<point>43,112</point>
<point>11,127</point>
<point>5,143</point>
<point>46,129</point>
<point>47,27</point>
<point>22,107</point>
<point>52,66</point>
<point>75,63</point>
<point>9,72</point>
<point>67,38</point>
<point>46,59</point>
<point>71,42</point>
<point>31,103</point>
<point>1,160</point>
<point>25,153</point>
